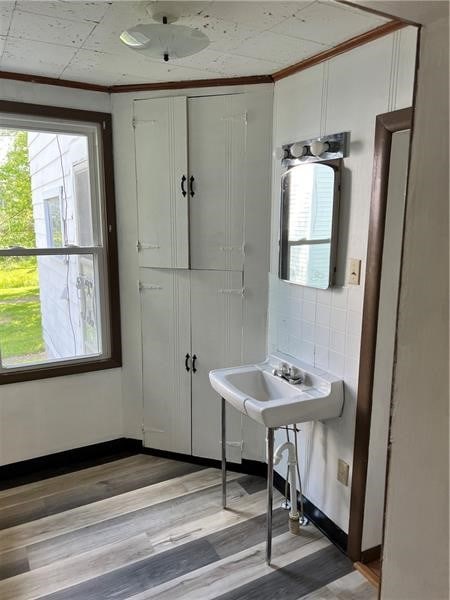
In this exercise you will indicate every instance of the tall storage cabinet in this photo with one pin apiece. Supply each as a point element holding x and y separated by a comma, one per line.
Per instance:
<point>217,135</point>
<point>194,190</point>
<point>161,179</point>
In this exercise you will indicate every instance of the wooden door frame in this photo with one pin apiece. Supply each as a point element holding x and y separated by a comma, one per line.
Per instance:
<point>386,125</point>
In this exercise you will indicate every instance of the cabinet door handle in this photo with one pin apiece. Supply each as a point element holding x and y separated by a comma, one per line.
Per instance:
<point>194,368</point>
<point>186,362</point>
<point>183,181</point>
<point>191,185</point>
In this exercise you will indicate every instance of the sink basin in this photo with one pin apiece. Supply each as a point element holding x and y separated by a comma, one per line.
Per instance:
<point>272,401</point>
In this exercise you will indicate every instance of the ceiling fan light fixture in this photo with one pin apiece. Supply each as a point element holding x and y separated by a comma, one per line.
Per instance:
<point>134,39</point>
<point>164,40</point>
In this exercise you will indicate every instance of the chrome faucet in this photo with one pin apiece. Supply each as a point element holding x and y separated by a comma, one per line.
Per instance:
<point>289,373</point>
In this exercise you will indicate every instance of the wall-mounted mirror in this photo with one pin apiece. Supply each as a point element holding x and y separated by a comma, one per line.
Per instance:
<point>309,215</point>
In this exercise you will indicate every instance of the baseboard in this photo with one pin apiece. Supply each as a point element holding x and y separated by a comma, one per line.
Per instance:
<point>371,554</point>
<point>248,467</point>
<point>368,573</point>
<point>334,533</point>
<point>59,463</point>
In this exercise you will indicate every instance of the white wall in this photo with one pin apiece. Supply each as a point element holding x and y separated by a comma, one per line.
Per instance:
<point>324,327</point>
<point>256,259</point>
<point>45,416</point>
<point>415,557</point>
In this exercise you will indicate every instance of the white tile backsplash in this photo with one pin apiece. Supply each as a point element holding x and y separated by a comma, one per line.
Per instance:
<point>308,331</point>
<point>321,357</point>
<point>310,294</point>
<point>352,343</point>
<point>321,327</point>
<point>309,311</point>
<point>338,319</point>
<point>322,335</point>
<point>354,322</point>
<point>337,341</point>
<point>340,297</point>
<point>336,363</point>
<point>324,296</point>
<point>307,352</point>
<point>323,314</point>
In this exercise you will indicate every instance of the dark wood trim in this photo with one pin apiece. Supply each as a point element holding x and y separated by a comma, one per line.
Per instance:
<point>374,11</point>
<point>53,112</point>
<point>195,83</point>
<point>104,121</point>
<point>334,533</point>
<point>368,573</point>
<point>371,554</point>
<point>28,77</point>
<point>351,44</point>
<point>68,461</point>
<point>386,125</point>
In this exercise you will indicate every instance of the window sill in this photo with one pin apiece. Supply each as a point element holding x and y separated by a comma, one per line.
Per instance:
<point>60,370</point>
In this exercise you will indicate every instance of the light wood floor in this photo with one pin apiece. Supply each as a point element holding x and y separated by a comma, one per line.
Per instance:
<point>144,527</point>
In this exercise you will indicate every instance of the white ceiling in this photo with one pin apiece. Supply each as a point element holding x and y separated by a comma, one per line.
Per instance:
<point>418,11</point>
<point>76,40</point>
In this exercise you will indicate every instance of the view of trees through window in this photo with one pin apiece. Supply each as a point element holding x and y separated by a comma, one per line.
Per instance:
<point>49,249</point>
<point>20,313</point>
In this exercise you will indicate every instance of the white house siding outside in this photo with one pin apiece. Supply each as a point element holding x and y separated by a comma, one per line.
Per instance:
<point>62,217</point>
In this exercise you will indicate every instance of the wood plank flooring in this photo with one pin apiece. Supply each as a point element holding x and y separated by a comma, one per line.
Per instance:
<point>143,527</point>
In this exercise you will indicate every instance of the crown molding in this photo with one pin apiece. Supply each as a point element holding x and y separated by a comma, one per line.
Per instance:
<point>351,44</point>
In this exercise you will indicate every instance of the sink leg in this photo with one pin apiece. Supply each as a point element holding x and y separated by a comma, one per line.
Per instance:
<point>270,437</point>
<point>224,457</point>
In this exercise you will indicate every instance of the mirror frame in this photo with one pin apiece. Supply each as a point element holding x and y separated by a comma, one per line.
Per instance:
<point>336,165</point>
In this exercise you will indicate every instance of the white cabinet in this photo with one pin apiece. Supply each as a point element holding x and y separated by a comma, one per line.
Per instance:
<point>203,191</point>
<point>216,323</point>
<point>161,179</point>
<point>165,315</point>
<point>191,203</point>
<point>217,164</point>
<point>191,323</point>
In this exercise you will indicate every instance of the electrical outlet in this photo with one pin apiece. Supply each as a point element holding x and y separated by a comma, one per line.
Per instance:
<point>354,271</point>
<point>343,472</point>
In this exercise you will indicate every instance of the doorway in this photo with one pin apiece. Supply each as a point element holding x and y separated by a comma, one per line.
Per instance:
<point>392,141</point>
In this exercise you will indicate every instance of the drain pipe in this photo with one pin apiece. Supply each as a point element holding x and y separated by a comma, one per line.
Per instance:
<point>294,525</point>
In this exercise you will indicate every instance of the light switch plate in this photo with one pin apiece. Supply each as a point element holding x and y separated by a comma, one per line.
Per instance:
<point>343,472</point>
<point>354,271</point>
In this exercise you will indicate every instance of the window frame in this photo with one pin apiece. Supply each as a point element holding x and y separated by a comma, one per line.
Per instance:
<point>112,354</point>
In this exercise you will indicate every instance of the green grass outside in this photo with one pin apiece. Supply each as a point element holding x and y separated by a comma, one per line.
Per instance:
<point>20,312</point>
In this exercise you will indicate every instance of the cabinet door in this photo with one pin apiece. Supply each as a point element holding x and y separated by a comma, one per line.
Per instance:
<point>217,136</point>
<point>216,313</point>
<point>165,343</point>
<point>161,172</point>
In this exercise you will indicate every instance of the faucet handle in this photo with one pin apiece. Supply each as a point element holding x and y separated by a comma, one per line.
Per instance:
<point>295,375</point>
<point>283,369</point>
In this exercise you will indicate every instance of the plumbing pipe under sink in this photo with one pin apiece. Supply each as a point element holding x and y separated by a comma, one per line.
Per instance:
<point>294,516</point>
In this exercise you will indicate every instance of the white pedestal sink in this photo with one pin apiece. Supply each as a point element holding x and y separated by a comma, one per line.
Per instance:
<point>272,401</point>
<point>275,402</point>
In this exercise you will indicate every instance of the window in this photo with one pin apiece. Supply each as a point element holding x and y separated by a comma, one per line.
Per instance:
<point>52,211</point>
<point>59,305</point>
